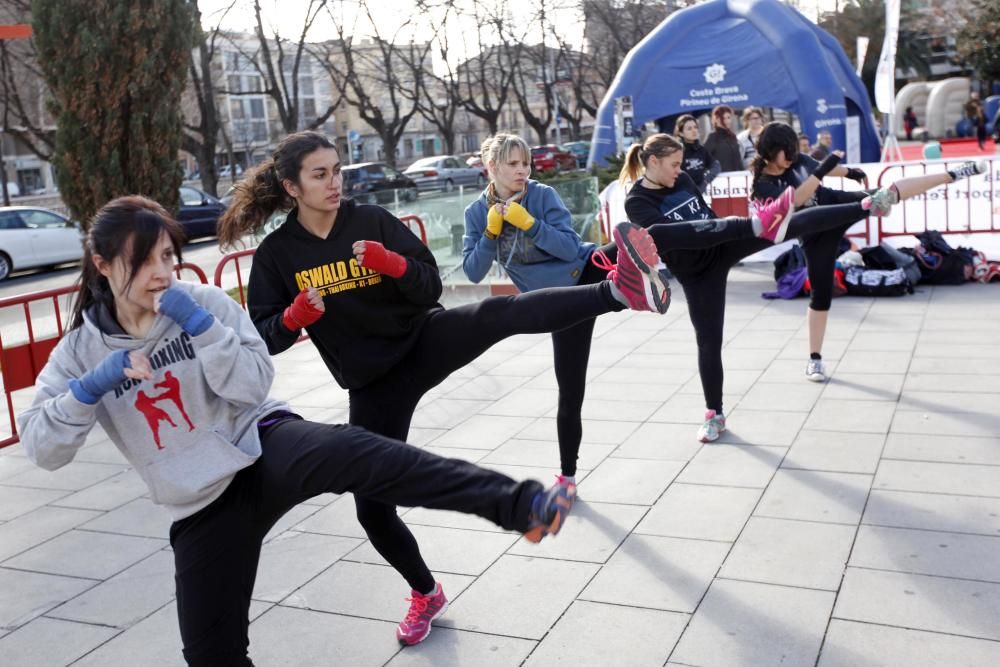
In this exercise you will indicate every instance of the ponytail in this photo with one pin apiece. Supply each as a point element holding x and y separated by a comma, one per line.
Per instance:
<point>255,198</point>
<point>659,145</point>
<point>261,192</point>
<point>757,167</point>
<point>633,167</point>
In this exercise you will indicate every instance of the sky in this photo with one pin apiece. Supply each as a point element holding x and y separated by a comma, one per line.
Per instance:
<point>287,17</point>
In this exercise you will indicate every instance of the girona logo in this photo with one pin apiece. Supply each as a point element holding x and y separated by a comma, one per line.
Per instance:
<point>715,73</point>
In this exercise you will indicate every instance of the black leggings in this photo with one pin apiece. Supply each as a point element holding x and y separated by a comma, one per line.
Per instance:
<point>571,347</point>
<point>706,290</point>
<point>216,550</point>
<point>820,247</point>
<point>453,338</point>
<point>449,340</point>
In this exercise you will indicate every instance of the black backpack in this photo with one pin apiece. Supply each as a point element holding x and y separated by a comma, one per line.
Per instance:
<point>876,282</point>
<point>886,257</point>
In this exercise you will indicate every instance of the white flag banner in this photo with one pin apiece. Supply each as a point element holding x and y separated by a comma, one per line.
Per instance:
<point>885,76</point>
<point>862,49</point>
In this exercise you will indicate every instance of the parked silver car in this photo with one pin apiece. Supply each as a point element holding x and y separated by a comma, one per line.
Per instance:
<point>444,172</point>
<point>32,237</point>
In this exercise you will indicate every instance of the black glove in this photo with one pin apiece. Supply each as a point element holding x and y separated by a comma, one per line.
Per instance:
<point>826,166</point>
<point>856,174</point>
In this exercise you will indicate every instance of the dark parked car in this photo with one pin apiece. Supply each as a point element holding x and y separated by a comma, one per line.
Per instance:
<point>552,158</point>
<point>198,212</point>
<point>581,149</point>
<point>374,183</point>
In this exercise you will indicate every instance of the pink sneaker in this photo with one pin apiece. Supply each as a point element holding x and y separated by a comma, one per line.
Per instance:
<point>714,426</point>
<point>775,216</point>
<point>423,610</point>
<point>639,275</point>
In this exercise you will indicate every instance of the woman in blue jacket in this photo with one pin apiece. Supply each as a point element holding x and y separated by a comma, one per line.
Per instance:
<point>524,226</point>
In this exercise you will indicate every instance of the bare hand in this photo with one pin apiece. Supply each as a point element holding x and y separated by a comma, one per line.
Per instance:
<point>159,295</point>
<point>141,369</point>
<point>315,300</point>
<point>359,251</point>
<point>839,154</point>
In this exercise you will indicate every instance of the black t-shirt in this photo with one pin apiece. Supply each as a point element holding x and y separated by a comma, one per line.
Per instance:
<point>697,162</point>
<point>681,203</point>
<point>371,320</point>
<point>770,187</point>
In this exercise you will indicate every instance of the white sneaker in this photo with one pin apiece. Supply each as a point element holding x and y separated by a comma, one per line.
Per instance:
<point>714,426</point>
<point>969,169</point>
<point>815,371</point>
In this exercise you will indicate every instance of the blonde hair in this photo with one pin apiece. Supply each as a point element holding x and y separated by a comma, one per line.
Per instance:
<point>749,111</point>
<point>659,145</point>
<point>497,149</point>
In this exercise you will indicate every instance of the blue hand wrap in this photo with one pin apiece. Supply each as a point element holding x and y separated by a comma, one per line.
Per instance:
<point>179,306</point>
<point>108,375</point>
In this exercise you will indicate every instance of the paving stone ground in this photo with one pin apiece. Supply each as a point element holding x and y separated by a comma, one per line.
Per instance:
<point>848,524</point>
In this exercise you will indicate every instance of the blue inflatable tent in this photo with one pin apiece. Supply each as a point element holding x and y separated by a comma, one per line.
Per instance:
<point>741,53</point>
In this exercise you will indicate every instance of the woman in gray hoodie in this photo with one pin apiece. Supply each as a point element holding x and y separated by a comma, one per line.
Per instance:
<point>178,377</point>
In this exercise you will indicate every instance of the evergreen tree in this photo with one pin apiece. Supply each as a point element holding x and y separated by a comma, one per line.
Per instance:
<point>979,41</point>
<point>116,70</point>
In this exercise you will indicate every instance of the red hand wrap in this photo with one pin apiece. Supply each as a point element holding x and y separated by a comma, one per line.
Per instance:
<point>301,313</point>
<point>384,261</point>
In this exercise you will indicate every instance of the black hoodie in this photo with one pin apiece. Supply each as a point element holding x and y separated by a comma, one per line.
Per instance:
<point>371,320</point>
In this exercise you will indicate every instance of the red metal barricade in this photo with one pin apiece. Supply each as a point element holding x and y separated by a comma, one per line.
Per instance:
<point>410,220</point>
<point>21,362</point>
<point>965,207</point>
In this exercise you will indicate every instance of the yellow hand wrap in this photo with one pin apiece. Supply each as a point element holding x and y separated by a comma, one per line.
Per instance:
<point>494,223</point>
<point>518,216</point>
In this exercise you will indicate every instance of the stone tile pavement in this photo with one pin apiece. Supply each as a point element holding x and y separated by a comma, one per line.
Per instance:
<point>848,524</point>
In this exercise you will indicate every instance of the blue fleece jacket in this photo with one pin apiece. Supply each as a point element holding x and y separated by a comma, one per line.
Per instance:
<point>550,254</point>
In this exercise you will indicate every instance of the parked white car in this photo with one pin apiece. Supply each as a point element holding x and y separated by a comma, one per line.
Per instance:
<point>444,172</point>
<point>32,237</point>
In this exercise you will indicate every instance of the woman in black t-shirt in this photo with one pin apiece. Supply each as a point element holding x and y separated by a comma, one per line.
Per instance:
<point>780,165</point>
<point>698,162</point>
<point>662,193</point>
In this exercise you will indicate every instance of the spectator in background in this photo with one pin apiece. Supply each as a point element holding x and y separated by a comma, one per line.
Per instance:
<point>977,118</point>
<point>722,143</point>
<point>697,162</point>
<point>753,121</point>
<point>909,122</point>
<point>804,145</point>
<point>823,143</point>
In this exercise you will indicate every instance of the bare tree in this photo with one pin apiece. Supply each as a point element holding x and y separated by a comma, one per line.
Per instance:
<point>485,80</point>
<point>613,27</point>
<point>201,133</point>
<point>438,97</point>
<point>534,69</point>
<point>22,86</point>
<point>574,68</point>
<point>279,62</point>
<point>376,78</point>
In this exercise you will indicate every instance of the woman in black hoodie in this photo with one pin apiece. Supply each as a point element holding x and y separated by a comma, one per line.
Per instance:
<point>722,143</point>
<point>697,163</point>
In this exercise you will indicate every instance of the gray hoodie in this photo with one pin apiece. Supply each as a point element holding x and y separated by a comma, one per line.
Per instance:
<point>188,431</point>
